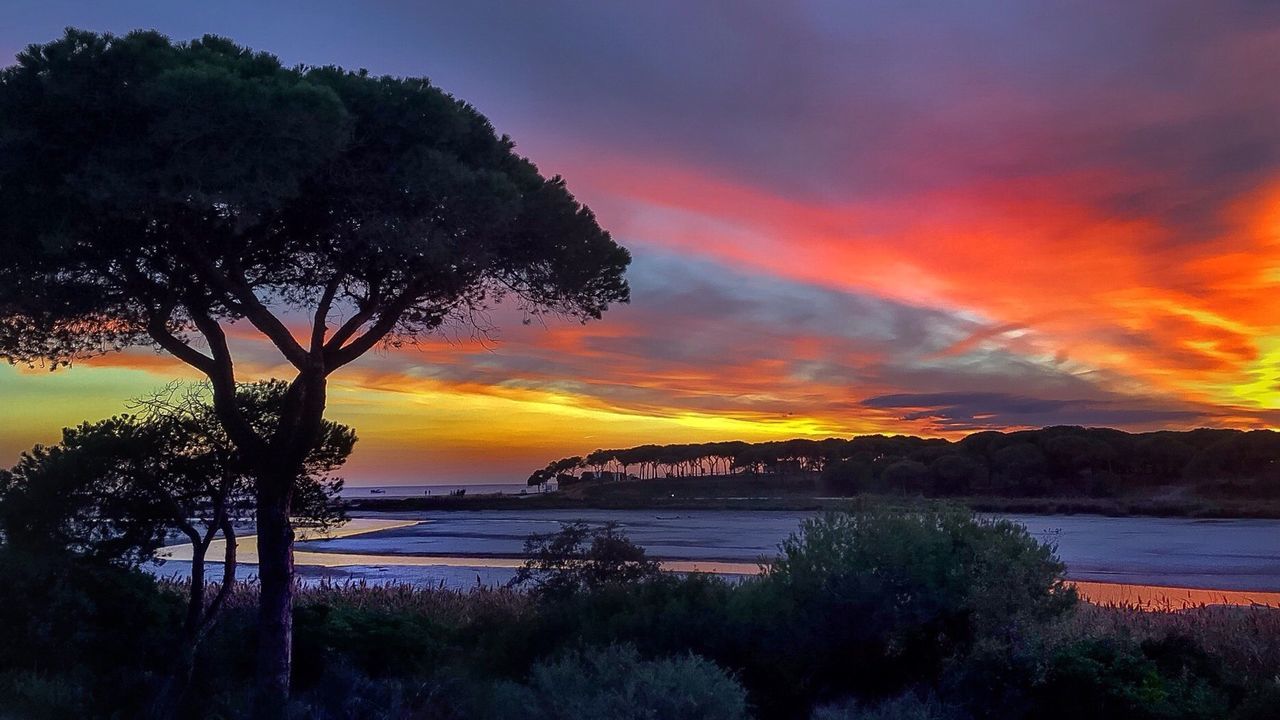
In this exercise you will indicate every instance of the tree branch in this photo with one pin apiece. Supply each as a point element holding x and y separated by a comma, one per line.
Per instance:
<point>228,573</point>
<point>223,379</point>
<point>232,281</point>
<point>159,332</point>
<point>319,321</point>
<point>353,324</point>
<point>338,355</point>
<point>158,324</point>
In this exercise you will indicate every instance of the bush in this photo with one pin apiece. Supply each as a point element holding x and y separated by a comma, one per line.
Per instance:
<point>1168,679</point>
<point>868,602</point>
<point>376,643</point>
<point>663,615</point>
<point>1260,703</point>
<point>33,696</point>
<point>72,622</point>
<point>1109,676</point>
<point>582,558</point>
<point>615,683</point>
<point>346,693</point>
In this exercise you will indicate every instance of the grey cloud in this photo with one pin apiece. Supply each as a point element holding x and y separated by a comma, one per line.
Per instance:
<point>956,411</point>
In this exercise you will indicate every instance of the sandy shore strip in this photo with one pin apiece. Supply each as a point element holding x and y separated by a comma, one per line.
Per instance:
<point>247,545</point>
<point>1158,597</point>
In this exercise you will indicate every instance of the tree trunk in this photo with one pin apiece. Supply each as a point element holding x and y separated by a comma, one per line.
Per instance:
<point>275,602</point>
<point>167,701</point>
<point>298,432</point>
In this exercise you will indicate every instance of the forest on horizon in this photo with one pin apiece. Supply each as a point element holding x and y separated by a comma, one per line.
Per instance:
<point>1059,460</point>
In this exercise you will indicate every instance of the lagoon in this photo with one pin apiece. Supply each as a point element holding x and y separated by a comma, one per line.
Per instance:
<point>461,548</point>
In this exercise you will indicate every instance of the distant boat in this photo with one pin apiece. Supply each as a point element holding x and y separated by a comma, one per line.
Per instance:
<point>378,491</point>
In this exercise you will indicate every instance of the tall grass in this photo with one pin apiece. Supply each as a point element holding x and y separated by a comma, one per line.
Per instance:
<point>1245,639</point>
<point>448,606</point>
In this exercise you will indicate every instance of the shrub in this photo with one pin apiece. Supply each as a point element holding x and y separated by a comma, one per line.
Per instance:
<point>377,643</point>
<point>33,696</point>
<point>345,693</point>
<point>71,621</point>
<point>1168,679</point>
<point>867,602</point>
<point>663,615</point>
<point>1261,702</point>
<point>614,682</point>
<point>580,557</point>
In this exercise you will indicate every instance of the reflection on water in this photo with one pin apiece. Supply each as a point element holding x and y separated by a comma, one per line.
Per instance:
<point>394,566</point>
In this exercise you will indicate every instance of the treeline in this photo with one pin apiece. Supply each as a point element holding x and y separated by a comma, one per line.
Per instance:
<point>1053,461</point>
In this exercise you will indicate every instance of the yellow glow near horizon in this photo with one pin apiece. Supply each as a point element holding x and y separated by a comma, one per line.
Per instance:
<point>1264,389</point>
<point>422,431</point>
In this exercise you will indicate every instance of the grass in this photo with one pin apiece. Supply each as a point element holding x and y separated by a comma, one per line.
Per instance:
<point>1246,640</point>
<point>448,606</point>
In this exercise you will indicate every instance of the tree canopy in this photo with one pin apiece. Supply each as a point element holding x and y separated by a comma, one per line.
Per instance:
<point>150,190</point>
<point>149,187</point>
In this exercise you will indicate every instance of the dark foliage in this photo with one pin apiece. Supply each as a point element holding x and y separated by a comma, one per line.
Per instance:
<point>147,187</point>
<point>116,489</point>
<point>580,557</point>
<point>81,638</point>
<point>872,614</point>
<point>868,603</point>
<point>616,682</point>
<point>1050,462</point>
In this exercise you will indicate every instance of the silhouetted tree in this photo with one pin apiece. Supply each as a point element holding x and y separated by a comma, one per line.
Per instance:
<point>582,558</point>
<point>538,477</point>
<point>116,489</point>
<point>152,191</point>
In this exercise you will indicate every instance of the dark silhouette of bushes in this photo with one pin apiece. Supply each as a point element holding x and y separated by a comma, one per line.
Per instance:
<point>918,615</point>
<point>1061,461</point>
<point>616,682</point>
<point>868,603</point>
<point>79,635</point>
<point>580,557</point>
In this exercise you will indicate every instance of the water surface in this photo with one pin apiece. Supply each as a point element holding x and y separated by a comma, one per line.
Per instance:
<point>1115,559</point>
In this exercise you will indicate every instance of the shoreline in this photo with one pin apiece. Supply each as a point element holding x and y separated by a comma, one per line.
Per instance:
<point>1197,508</point>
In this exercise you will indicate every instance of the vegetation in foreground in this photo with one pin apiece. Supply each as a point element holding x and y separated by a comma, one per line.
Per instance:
<point>868,614</point>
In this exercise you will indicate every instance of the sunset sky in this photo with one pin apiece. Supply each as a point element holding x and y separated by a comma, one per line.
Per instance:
<point>926,218</point>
